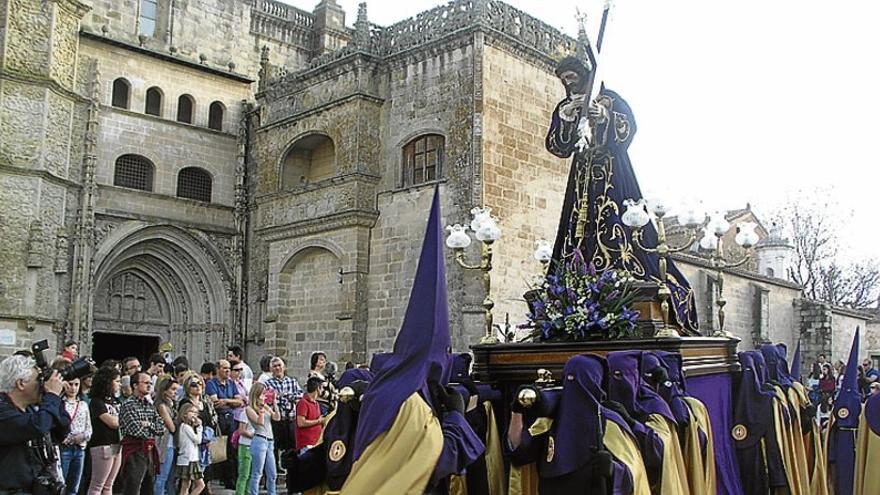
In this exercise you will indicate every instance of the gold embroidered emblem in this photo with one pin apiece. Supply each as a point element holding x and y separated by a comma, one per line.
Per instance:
<point>739,433</point>
<point>337,450</point>
<point>843,413</point>
<point>551,449</point>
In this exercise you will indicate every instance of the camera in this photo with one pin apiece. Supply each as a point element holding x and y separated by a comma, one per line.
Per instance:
<point>79,368</point>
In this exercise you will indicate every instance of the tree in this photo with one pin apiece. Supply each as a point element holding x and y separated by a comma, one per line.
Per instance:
<point>819,266</point>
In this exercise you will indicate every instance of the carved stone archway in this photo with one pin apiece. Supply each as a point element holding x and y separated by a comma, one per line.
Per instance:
<point>162,280</point>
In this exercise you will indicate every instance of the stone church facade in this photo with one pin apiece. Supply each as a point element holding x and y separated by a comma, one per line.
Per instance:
<point>245,172</point>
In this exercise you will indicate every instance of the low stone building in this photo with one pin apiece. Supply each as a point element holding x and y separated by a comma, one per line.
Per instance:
<point>242,171</point>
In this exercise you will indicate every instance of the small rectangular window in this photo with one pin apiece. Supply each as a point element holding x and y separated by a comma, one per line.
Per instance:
<point>147,18</point>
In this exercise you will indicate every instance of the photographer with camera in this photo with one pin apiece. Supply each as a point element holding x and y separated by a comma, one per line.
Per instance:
<point>26,451</point>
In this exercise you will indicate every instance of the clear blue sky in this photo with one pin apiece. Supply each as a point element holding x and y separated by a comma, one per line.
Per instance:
<point>737,101</point>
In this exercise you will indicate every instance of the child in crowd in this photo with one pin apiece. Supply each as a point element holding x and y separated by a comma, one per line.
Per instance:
<point>189,435</point>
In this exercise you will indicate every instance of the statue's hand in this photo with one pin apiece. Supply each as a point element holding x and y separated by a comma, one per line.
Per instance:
<point>568,111</point>
<point>598,114</point>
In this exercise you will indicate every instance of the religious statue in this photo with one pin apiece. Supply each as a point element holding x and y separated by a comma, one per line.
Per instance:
<point>601,178</point>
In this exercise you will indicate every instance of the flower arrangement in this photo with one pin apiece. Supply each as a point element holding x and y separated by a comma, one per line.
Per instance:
<point>575,302</point>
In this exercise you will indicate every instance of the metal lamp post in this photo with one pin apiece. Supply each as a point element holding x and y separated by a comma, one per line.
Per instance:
<point>636,217</point>
<point>486,230</point>
<point>712,240</point>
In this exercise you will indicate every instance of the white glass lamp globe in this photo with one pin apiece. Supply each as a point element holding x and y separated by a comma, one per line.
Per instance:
<point>658,207</point>
<point>480,215</point>
<point>635,215</point>
<point>543,251</point>
<point>488,231</point>
<point>709,242</point>
<point>693,216</point>
<point>746,235</point>
<point>718,225</point>
<point>458,238</point>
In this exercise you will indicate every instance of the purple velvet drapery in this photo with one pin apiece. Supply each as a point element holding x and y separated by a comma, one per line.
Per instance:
<point>716,392</point>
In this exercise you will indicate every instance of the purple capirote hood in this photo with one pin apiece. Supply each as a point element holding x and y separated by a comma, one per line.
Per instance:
<point>421,350</point>
<point>627,387</point>
<point>777,366</point>
<point>576,430</point>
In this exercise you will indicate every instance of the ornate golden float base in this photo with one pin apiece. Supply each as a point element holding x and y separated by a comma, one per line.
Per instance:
<point>517,363</point>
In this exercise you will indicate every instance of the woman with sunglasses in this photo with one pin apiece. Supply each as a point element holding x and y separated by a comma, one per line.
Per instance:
<point>166,393</point>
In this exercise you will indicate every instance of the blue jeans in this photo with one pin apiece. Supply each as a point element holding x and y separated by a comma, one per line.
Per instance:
<point>72,466</point>
<point>164,478</point>
<point>262,459</point>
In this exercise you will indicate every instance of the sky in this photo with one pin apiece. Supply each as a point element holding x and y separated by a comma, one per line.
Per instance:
<point>747,101</point>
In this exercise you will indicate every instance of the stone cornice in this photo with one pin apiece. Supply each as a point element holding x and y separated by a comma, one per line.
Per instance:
<point>705,263</point>
<point>326,183</point>
<point>124,216</point>
<point>39,174</point>
<point>165,57</point>
<point>335,221</point>
<point>193,127</point>
<point>315,110</point>
<point>48,83</point>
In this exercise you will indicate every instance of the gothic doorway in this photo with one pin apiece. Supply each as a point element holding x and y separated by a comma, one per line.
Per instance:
<point>118,346</point>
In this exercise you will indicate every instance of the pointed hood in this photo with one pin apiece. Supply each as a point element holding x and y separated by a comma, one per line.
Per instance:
<point>421,351</point>
<point>796,363</point>
<point>777,366</point>
<point>627,386</point>
<point>575,432</point>
<point>847,405</point>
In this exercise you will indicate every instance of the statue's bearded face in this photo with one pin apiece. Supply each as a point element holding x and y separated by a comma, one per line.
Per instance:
<point>573,82</point>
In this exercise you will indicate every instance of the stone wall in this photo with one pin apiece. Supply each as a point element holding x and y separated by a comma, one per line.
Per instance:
<point>758,309</point>
<point>39,164</point>
<point>523,183</point>
<point>213,33</point>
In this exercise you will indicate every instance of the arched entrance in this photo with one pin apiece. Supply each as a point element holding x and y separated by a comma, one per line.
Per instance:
<point>160,283</point>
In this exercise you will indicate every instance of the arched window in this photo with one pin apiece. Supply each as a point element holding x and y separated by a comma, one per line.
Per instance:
<point>423,159</point>
<point>149,14</point>
<point>133,171</point>
<point>185,106</point>
<point>770,272</point>
<point>310,159</point>
<point>215,116</point>
<point>154,102</point>
<point>121,90</point>
<point>194,183</point>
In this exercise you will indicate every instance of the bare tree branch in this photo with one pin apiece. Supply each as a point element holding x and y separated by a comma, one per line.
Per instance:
<point>819,266</point>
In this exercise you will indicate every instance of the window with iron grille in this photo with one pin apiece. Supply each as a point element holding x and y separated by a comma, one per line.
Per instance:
<point>154,102</point>
<point>185,106</point>
<point>215,116</point>
<point>194,183</point>
<point>121,88</point>
<point>423,159</point>
<point>133,171</point>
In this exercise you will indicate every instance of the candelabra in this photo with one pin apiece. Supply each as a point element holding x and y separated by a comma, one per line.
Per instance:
<point>636,217</point>
<point>486,230</point>
<point>713,241</point>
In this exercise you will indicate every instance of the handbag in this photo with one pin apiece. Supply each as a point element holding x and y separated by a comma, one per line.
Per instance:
<point>217,447</point>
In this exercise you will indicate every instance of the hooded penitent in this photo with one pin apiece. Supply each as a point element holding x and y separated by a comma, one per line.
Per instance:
<point>692,416</point>
<point>805,456</point>
<point>398,423</point>
<point>844,423</point>
<point>628,387</point>
<point>580,435</point>
<point>867,476</point>
<point>757,450</point>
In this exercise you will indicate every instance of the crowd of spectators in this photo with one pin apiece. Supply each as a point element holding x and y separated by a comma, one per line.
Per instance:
<point>826,378</point>
<point>166,429</point>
